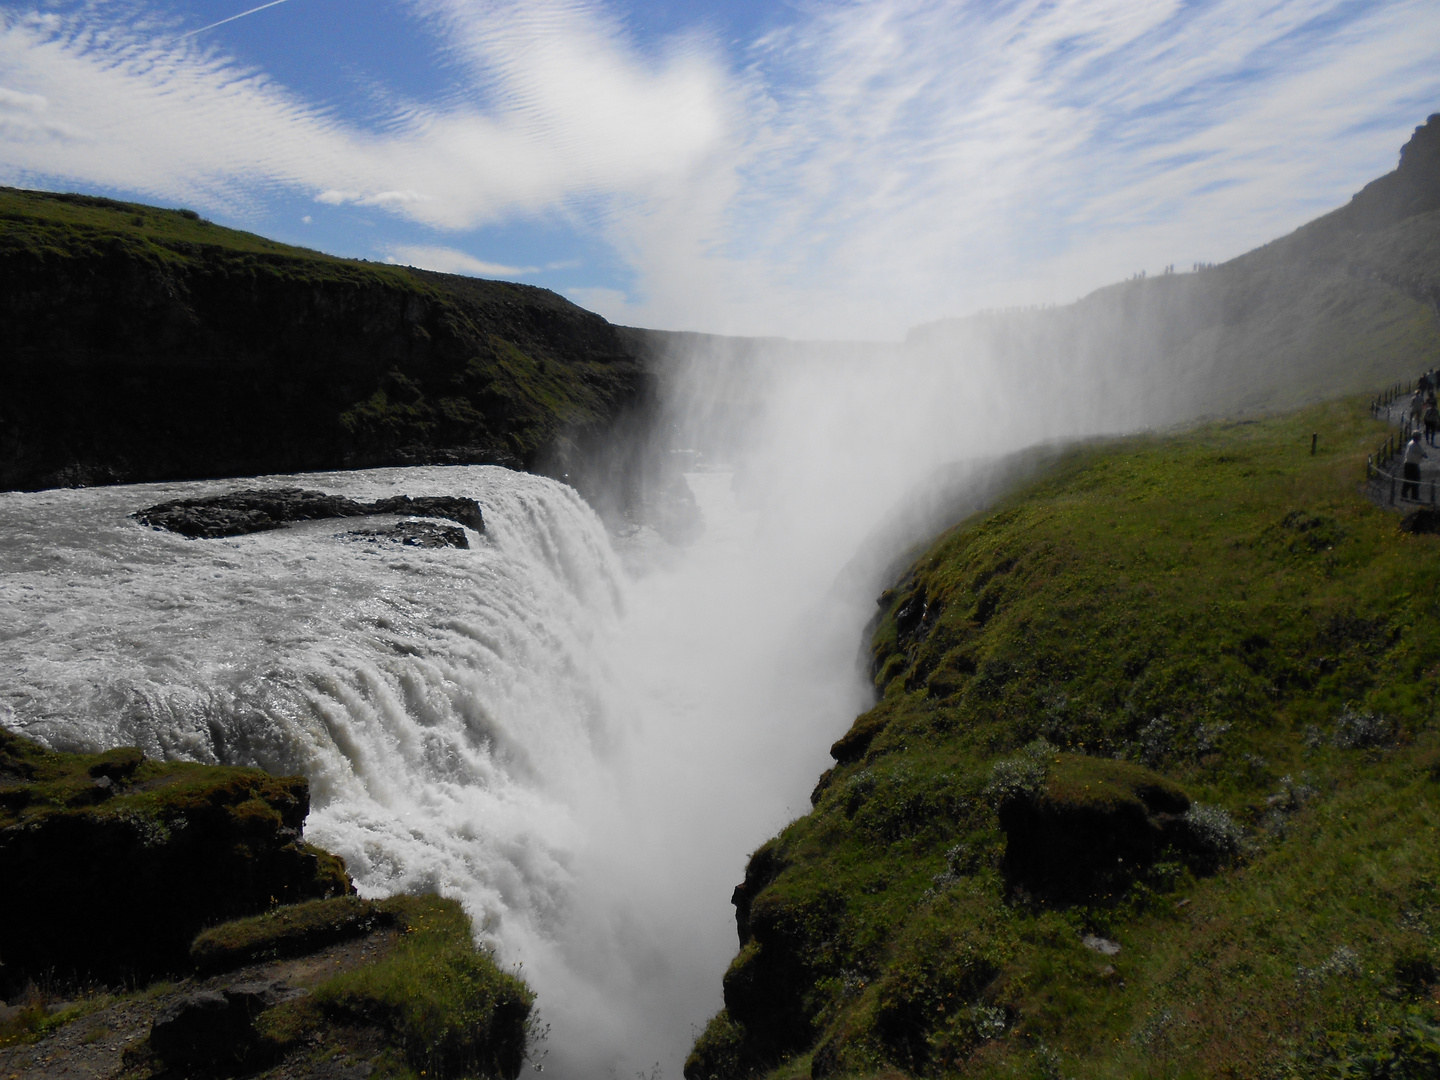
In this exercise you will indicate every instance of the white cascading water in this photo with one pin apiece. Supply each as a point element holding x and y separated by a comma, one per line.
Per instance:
<point>583,751</point>
<point>520,725</point>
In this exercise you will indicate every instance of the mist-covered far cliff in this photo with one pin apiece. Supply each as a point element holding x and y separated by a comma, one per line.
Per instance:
<point>1338,306</point>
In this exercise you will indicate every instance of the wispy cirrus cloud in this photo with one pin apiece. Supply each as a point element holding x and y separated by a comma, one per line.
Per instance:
<point>863,167</point>
<point>160,113</point>
<point>924,158</point>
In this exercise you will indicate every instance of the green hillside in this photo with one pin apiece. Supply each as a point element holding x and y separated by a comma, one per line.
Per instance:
<point>1178,696</point>
<point>139,343</point>
<point>1150,789</point>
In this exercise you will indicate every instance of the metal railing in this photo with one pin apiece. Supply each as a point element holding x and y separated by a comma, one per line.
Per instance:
<point>1379,465</point>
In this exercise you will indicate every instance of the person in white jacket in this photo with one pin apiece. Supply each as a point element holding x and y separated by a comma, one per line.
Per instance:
<point>1414,452</point>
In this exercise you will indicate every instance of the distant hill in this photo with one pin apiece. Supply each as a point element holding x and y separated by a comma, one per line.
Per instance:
<point>138,343</point>
<point>1347,302</point>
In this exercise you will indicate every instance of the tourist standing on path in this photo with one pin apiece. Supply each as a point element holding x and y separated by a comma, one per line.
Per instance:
<point>1417,407</point>
<point>1414,451</point>
<point>1432,421</point>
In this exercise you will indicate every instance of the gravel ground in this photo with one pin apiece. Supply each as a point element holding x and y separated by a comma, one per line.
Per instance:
<point>107,1037</point>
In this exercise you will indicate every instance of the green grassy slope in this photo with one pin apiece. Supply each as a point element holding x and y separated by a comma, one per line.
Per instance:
<point>139,343</point>
<point>1218,611</point>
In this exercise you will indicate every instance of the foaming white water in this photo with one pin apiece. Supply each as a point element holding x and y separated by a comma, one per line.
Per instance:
<point>584,757</point>
<point>449,706</point>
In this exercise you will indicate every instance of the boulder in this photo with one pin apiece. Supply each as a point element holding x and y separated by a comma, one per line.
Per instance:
<point>1090,825</point>
<point>214,1027</point>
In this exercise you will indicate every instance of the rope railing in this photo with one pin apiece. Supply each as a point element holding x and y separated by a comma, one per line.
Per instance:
<point>1379,465</point>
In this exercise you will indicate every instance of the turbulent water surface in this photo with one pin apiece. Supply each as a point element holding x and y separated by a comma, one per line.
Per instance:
<point>580,736</point>
<point>581,753</point>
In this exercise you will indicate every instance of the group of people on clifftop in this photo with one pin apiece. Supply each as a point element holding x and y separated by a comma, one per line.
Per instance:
<point>1424,419</point>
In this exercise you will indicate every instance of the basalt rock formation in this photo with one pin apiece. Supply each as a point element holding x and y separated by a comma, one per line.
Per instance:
<point>113,862</point>
<point>238,513</point>
<point>141,344</point>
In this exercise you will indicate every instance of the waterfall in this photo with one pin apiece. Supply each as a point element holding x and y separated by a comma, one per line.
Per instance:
<point>450,707</point>
<point>583,754</point>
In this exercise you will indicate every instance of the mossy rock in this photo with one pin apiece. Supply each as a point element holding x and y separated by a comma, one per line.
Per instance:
<point>291,930</point>
<point>114,862</point>
<point>1090,827</point>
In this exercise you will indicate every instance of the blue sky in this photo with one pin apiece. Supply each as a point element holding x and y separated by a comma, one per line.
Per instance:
<point>807,168</point>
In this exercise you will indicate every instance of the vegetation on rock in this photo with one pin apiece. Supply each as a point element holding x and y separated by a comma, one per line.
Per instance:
<point>113,862</point>
<point>1198,670</point>
<point>437,999</point>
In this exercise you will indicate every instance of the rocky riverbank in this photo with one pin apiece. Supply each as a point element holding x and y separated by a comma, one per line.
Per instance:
<point>168,919</point>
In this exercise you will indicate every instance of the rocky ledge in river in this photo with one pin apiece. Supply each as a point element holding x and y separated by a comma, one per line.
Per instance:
<point>251,511</point>
<point>424,534</point>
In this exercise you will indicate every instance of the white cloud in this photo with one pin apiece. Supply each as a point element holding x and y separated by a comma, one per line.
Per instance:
<point>868,166</point>
<point>450,261</point>
<point>564,111</point>
<point>926,158</point>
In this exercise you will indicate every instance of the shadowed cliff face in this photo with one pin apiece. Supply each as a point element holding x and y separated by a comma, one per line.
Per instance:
<point>123,859</point>
<point>142,344</point>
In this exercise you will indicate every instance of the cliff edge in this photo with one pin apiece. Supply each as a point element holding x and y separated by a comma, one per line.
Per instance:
<point>138,343</point>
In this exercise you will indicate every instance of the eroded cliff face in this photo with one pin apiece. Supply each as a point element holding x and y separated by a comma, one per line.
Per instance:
<point>140,344</point>
<point>113,862</point>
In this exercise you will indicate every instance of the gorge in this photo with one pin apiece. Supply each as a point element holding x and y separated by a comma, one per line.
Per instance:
<point>581,729</point>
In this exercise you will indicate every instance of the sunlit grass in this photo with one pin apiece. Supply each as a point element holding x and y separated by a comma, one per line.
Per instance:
<point>443,1002</point>
<point>1220,606</point>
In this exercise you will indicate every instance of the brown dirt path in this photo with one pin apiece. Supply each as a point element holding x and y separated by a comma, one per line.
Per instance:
<point>106,1039</point>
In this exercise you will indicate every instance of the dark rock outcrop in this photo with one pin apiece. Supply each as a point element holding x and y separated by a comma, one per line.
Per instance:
<point>242,512</point>
<point>112,863</point>
<point>1425,519</point>
<point>763,868</point>
<point>1090,825</point>
<point>214,1027</point>
<point>422,534</point>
